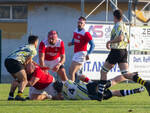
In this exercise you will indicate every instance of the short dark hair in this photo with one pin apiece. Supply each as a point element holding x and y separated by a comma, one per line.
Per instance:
<point>58,86</point>
<point>83,18</point>
<point>118,14</point>
<point>32,39</point>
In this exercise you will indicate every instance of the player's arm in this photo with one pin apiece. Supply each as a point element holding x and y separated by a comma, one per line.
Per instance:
<point>41,59</point>
<point>62,57</point>
<point>62,54</point>
<point>41,54</point>
<point>117,39</point>
<point>28,60</point>
<point>71,43</point>
<point>118,36</point>
<point>92,46</point>
<point>91,43</point>
<point>33,81</point>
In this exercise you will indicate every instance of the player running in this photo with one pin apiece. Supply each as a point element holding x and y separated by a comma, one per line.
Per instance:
<point>118,54</point>
<point>52,54</point>
<point>81,39</point>
<point>15,64</point>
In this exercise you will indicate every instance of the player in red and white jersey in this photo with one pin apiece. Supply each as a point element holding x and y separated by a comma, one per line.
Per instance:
<point>52,54</point>
<point>80,41</point>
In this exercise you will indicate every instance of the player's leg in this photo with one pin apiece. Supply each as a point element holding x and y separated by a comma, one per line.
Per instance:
<point>132,76</point>
<point>75,66</point>
<point>35,94</point>
<point>62,73</point>
<point>135,77</point>
<point>120,93</point>
<point>17,70</point>
<point>22,78</point>
<point>102,84</point>
<point>38,97</point>
<point>13,87</point>
<point>84,78</point>
<point>115,81</point>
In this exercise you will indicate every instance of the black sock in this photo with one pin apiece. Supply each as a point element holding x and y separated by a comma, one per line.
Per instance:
<point>11,94</point>
<point>20,92</point>
<point>108,84</point>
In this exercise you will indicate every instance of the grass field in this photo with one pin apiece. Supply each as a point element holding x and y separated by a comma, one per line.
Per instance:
<point>138,103</point>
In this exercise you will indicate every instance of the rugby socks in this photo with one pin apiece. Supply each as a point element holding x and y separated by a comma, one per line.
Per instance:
<point>101,86</point>
<point>87,80</point>
<point>11,94</point>
<point>130,92</point>
<point>20,93</point>
<point>139,80</point>
<point>108,84</point>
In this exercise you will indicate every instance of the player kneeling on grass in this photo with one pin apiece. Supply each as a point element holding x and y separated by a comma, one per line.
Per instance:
<point>15,64</point>
<point>42,84</point>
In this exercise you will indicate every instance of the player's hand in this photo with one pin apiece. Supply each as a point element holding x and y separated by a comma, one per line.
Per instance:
<point>87,57</point>
<point>56,68</point>
<point>70,44</point>
<point>108,45</point>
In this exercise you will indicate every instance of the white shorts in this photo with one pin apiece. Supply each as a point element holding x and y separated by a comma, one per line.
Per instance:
<point>51,64</point>
<point>49,90</point>
<point>79,57</point>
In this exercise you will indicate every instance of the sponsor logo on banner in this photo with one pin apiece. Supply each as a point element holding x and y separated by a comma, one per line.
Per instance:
<point>100,34</point>
<point>92,68</point>
<point>141,64</point>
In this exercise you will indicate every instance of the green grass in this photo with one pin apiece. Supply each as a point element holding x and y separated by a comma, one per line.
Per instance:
<point>138,103</point>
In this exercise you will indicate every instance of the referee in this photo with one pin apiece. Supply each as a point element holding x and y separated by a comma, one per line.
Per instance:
<point>118,55</point>
<point>118,49</point>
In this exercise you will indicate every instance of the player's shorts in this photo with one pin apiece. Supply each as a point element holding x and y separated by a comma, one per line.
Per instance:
<point>13,66</point>
<point>80,57</point>
<point>49,90</point>
<point>117,56</point>
<point>51,64</point>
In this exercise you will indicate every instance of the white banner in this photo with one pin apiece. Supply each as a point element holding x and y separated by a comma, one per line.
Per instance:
<point>92,68</point>
<point>141,64</point>
<point>139,40</point>
<point>138,63</point>
<point>100,34</point>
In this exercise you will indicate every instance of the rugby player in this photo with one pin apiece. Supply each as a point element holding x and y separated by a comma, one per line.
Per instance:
<point>70,89</point>
<point>15,64</point>
<point>118,54</point>
<point>52,54</point>
<point>81,39</point>
<point>44,87</point>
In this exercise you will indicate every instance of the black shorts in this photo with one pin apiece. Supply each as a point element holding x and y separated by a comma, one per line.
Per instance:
<point>117,56</point>
<point>13,66</point>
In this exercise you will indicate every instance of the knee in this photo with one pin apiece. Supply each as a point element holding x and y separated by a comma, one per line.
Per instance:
<point>104,69</point>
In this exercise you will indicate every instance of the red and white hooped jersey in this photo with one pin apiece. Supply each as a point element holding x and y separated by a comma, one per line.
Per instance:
<point>52,52</point>
<point>81,39</point>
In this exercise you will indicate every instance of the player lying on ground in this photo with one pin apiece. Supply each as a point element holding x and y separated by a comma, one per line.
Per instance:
<point>43,89</point>
<point>72,91</point>
<point>15,65</point>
